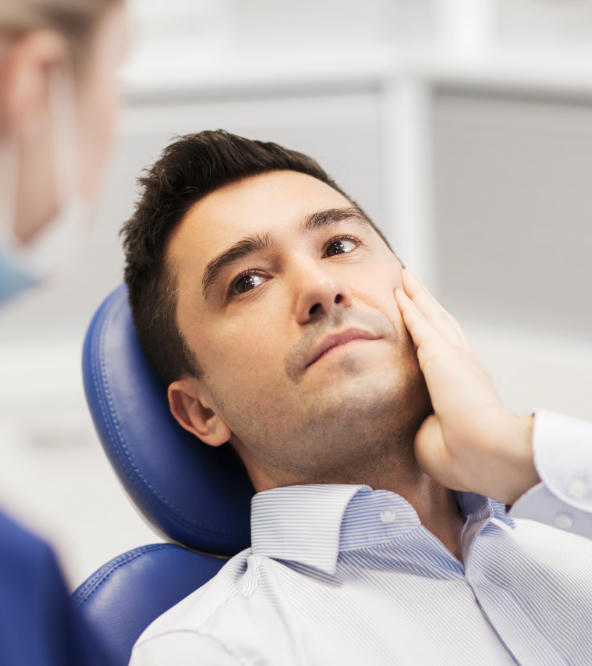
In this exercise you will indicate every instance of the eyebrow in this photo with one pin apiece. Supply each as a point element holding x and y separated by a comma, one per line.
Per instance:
<point>258,242</point>
<point>330,216</point>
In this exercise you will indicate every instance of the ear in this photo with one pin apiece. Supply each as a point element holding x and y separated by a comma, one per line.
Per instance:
<point>24,75</point>
<point>191,408</point>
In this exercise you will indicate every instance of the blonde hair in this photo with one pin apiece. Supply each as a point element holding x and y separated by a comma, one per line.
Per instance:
<point>75,20</point>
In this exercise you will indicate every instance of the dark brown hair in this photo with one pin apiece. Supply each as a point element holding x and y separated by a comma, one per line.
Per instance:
<point>188,169</point>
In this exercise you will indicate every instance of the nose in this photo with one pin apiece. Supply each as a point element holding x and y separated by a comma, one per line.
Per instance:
<point>319,294</point>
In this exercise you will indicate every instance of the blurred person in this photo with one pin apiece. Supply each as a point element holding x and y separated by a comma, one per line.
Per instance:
<point>389,477</point>
<point>59,96</point>
<point>58,102</point>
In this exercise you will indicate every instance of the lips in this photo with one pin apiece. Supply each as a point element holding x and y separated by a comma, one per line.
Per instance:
<point>337,340</point>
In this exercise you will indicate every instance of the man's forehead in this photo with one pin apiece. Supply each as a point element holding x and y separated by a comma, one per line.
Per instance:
<point>273,201</point>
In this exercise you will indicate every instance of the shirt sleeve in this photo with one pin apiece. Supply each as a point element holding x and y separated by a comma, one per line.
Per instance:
<point>563,459</point>
<point>182,648</point>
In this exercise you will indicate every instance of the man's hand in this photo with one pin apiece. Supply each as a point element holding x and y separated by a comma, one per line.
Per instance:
<point>471,442</point>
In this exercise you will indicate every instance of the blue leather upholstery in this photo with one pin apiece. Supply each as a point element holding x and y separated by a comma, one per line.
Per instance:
<point>125,595</point>
<point>194,494</point>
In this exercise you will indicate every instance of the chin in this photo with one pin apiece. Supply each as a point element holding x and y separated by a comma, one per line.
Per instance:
<point>368,394</point>
<point>367,386</point>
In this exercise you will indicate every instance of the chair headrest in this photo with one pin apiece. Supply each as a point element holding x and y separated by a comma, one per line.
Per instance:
<point>195,494</point>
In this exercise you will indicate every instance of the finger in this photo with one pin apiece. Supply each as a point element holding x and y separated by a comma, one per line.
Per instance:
<point>429,300</point>
<point>421,331</point>
<point>440,318</point>
<point>437,358</point>
<point>420,293</point>
<point>426,302</point>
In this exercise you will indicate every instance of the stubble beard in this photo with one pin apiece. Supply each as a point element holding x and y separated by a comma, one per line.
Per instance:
<point>366,440</point>
<point>365,435</point>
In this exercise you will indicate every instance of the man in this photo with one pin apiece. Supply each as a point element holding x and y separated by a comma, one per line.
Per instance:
<point>283,324</point>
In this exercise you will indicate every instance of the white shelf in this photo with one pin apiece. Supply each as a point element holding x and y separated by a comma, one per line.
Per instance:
<point>182,69</point>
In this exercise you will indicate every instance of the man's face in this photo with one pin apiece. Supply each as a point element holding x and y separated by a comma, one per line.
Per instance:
<point>285,296</point>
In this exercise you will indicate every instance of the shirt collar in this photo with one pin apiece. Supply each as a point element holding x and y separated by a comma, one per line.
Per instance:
<point>312,523</point>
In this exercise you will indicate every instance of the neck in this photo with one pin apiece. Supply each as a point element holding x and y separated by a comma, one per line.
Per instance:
<point>435,505</point>
<point>436,508</point>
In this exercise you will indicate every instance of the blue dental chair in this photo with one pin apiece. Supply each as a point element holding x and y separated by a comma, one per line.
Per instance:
<point>195,495</point>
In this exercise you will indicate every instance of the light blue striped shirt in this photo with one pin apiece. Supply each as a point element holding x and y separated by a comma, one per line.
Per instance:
<point>344,574</point>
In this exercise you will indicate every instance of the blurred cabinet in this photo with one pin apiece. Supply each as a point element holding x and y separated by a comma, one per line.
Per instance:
<point>513,238</point>
<point>514,211</point>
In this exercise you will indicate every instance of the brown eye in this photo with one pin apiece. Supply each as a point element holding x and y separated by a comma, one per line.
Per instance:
<point>341,245</point>
<point>245,282</point>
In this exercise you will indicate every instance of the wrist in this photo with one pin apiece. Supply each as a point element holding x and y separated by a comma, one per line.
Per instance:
<point>524,474</point>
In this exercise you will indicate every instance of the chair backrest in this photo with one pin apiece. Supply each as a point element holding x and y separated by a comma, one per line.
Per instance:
<point>196,495</point>
<point>125,595</point>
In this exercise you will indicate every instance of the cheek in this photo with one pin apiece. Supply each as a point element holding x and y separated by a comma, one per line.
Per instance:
<point>244,355</point>
<point>378,285</point>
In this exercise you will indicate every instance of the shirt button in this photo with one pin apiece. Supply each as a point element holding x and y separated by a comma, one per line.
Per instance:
<point>577,488</point>
<point>388,515</point>
<point>563,520</point>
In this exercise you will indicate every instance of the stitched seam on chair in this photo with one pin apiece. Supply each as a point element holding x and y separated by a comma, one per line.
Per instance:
<point>122,451</point>
<point>103,574</point>
<point>106,570</point>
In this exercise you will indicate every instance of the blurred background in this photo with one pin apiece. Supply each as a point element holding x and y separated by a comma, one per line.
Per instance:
<point>463,127</point>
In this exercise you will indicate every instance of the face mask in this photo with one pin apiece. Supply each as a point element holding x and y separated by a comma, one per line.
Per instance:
<point>24,266</point>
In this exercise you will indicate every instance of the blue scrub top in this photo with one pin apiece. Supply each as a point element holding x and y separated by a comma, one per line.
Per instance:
<point>38,624</point>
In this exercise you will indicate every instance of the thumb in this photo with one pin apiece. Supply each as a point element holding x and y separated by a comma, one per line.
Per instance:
<point>430,450</point>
